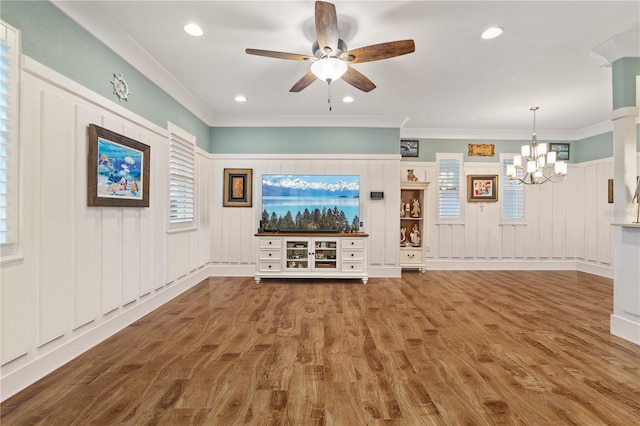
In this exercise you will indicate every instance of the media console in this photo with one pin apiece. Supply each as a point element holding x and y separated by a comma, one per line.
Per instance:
<point>312,255</point>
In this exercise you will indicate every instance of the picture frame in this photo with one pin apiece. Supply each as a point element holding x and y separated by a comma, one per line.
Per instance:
<point>610,191</point>
<point>409,148</point>
<point>562,150</point>
<point>118,170</point>
<point>482,188</point>
<point>237,189</point>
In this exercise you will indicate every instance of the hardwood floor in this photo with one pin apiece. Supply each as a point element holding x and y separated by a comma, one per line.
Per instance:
<point>444,348</point>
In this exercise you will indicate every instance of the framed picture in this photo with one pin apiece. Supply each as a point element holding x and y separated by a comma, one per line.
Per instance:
<point>482,188</point>
<point>237,187</point>
<point>562,150</point>
<point>409,148</point>
<point>610,191</point>
<point>118,170</point>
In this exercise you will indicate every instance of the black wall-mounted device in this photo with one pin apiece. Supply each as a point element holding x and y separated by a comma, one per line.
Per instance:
<point>376,195</point>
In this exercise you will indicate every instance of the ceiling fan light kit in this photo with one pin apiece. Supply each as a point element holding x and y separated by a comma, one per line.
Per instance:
<point>329,69</point>
<point>331,60</point>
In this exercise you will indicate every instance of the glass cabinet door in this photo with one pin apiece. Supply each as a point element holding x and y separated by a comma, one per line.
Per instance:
<point>326,253</point>
<point>297,255</point>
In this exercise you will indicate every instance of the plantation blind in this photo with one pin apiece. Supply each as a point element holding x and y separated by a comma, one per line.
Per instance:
<point>181,182</point>
<point>8,135</point>
<point>512,194</point>
<point>449,185</point>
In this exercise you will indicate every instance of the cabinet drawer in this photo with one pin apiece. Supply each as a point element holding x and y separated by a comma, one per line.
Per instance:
<point>270,254</point>
<point>348,255</point>
<point>352,266</point>
<point>411,256</point>
<point>270,266</point>
<point>270,243</point>
<point>348,243</point>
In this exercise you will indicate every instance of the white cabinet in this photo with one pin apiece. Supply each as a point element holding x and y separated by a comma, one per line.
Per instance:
<point>311,256</point>
<point>412,211</point>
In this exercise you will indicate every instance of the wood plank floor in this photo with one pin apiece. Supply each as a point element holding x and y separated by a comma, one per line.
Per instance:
<point>442,348</point>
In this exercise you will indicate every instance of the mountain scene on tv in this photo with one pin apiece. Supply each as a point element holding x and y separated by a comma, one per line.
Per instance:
<point>311,202</point>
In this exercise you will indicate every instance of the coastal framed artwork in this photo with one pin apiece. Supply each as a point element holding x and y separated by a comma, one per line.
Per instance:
<point>118,170</point>
<point>237,187</point>
<point>482,188</point>
<point>409,148</point>
<point>562,150</point>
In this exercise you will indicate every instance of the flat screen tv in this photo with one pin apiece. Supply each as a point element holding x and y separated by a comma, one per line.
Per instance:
<point>311,203</point>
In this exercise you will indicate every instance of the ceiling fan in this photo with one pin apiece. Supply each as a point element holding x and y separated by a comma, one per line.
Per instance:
<point>331,60</point>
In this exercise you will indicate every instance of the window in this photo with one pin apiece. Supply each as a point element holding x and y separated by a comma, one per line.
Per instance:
<point>9,75</point>
<point>449,186</point>
<point>512,193</point>
<point>181,179</point>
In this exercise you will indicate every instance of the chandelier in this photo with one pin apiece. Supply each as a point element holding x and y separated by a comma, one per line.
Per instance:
<point>536,165</point>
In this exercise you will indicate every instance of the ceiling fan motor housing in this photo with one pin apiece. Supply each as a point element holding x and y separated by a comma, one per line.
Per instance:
<point>322,53</point>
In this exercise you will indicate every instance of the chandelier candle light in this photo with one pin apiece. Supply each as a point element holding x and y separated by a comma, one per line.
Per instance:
<point>537,163</point>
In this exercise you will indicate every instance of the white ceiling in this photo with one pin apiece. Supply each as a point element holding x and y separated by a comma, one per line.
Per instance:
<point>454,84</point>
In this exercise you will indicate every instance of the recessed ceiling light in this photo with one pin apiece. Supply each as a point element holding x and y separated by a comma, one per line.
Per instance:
<point>240,98</point>
<point>492,32</point>
<point>193,29</point>
<point>347,99</point>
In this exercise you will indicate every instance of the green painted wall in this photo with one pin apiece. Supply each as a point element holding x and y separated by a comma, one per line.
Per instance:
<point>304,140</point>
<point>53,39</point>
<point>624,72</point>
<point>594,148</point>
<point>428,148</point>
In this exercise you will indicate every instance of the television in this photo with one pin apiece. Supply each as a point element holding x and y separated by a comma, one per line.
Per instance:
<point>300,203</point>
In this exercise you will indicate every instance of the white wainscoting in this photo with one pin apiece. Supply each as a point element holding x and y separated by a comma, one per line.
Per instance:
<point>87,272</point>
<point>567,226</point>
<point>234,243</point>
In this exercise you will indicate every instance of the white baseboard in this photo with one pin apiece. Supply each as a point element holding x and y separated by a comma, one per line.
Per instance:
<point>21,373</point>
<point>520,264</point>
<point>625,329</point>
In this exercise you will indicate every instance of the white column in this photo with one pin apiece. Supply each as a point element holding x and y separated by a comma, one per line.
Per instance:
<point>624,163</point>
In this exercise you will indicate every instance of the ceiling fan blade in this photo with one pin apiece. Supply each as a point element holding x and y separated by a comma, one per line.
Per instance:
<point>380,51</point>
<point>327,27</point>
<point>358,80</point>
<point>306,80</point>
<point>280,55</point>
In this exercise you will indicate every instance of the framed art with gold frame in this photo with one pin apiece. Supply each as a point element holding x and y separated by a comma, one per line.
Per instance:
<point>237,188</point>
<point>482,188</point>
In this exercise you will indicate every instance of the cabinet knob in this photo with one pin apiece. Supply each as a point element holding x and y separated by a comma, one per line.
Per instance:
<point>270,242</point>
<point>352,243</point>
<point>269,254</point>
<point>352,254</point>
<point>269,266</point>
<point>351,266</point>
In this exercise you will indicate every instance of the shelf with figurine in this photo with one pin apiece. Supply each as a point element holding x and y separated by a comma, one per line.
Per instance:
<point>413,196</point>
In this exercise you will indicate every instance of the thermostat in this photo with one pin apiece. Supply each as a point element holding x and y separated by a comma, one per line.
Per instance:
<point>376,195</point>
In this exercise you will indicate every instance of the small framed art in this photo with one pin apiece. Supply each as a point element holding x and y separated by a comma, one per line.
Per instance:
<point>237,187</point>
<point>482,188</point>
<point>409,148</point>
<point>561,149</point>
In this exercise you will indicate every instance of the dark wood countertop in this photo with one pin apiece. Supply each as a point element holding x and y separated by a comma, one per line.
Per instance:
<point>311,234</point>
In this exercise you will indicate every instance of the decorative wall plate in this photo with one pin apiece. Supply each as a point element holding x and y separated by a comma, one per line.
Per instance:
<point>120,87</point>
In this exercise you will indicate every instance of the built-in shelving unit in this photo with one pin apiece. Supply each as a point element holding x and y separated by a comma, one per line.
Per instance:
<point>412,225</point>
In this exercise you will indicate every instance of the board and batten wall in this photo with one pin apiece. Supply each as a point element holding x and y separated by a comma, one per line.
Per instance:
<point>235,250</point>
<point>567,225</point>
<point>87,272</point>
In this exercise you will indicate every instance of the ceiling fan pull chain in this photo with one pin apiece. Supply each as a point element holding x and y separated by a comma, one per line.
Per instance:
<point>329,95</point>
